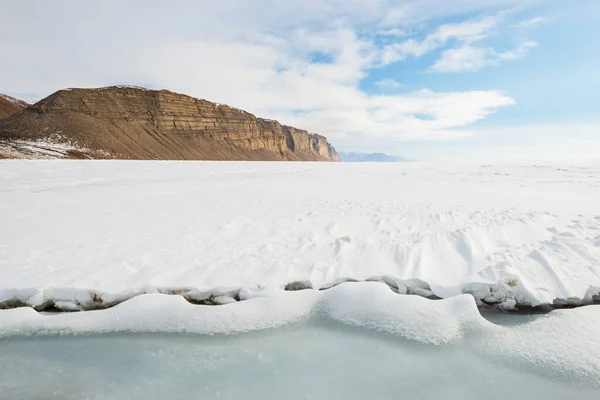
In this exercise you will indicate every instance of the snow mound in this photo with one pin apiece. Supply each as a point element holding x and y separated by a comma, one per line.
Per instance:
<point>509,295</point>
<point>592,296</point>
<point>564,341</point>
<point>505,295</point>
<point>371,305</point>
<point>163,313</point>
<point>365,304</point>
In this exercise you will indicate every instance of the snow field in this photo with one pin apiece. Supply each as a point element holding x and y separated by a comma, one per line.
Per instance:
<point>530,233</point>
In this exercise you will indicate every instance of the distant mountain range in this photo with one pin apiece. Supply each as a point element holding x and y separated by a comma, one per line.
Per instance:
<point>369,157</point>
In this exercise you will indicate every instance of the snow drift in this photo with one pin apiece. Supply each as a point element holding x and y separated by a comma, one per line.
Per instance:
<point>530,233</point>
<point>564,341</point>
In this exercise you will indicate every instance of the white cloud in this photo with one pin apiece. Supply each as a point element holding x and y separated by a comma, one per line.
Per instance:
<point>252,55</point>
<point>472,58</point>
<point>388,84</point>
<point>521,51</point>
<point>528,143</point>
<point>393,32</point>
<point>416,11</point>
<point>530,23</point>
<point>468,32</point>
<point>467,57</point>
<point>421,115</point>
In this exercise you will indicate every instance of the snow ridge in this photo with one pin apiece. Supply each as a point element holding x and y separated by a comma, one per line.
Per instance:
<point>506,296</point>
<point>549,341</point>
<point>562,343</point>
<point>364,304</point>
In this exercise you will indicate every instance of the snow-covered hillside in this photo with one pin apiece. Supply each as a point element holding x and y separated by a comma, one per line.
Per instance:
<point>113,227</point>
<point>25,99</point>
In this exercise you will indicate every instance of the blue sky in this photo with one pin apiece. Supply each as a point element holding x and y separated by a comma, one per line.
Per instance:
<point>547,83</point>
<point>424,79</point>
<point>555,84</point>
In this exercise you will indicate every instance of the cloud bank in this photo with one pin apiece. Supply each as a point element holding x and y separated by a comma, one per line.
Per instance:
<point>301,62</point>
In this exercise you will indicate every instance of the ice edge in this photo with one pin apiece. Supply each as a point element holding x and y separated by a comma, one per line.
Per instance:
<point>506,296</point>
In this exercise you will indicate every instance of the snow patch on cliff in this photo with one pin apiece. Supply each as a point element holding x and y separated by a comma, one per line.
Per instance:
<point>52,146</point>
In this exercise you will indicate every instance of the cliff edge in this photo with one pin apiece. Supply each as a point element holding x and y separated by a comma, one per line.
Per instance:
<point>123,122</point>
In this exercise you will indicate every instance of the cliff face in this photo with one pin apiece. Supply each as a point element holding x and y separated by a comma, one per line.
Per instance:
<point>9,105</point>
<point>136,123</point>
<point>301,141</point>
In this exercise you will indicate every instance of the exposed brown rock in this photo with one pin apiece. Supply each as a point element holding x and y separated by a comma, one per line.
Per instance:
<point>136,123</point>
<point>9,105</point>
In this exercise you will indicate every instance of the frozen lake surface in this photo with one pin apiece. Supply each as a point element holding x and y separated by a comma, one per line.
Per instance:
<point>316,360</point>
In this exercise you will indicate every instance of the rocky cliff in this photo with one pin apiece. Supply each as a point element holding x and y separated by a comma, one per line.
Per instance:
<point>9,105</point>
<point>137,123</point>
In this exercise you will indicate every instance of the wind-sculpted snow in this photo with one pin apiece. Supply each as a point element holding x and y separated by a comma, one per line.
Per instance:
<point>506,296</point>
<point>412,252</point>
<point>365,304</point>
<point>113,226</point>
<point>561,343</point>
<point>411,317</point>
<point>163,313</point>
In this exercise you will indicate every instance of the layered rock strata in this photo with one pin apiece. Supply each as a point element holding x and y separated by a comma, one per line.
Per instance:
<point>137,123</point>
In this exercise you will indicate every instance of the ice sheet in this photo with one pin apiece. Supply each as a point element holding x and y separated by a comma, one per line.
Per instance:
<point>317,360</point>
<point>352,340</point>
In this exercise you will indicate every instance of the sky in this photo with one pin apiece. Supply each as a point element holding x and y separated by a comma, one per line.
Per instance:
<point>430,80</point>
